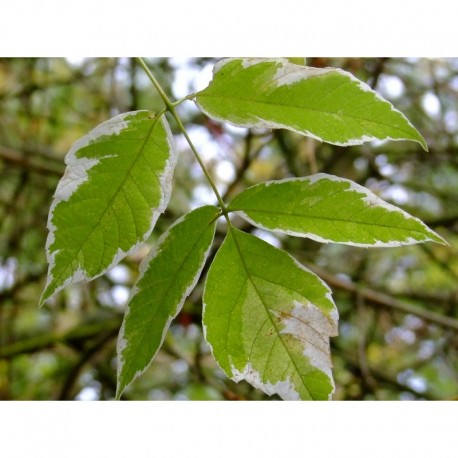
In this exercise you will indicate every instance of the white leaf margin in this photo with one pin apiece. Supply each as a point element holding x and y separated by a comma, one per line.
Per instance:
<point>289,74</point>
<point>285,388</point>
<point>143,268</point>
<point>366,196</point>
<point>76,173</point>
<point>320,358</point>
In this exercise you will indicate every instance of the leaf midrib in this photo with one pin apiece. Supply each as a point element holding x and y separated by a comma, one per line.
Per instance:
<point>110,201</point>
<point>267,310</point>
<point>308,109</point>
<point>300,216</point>
<point>168,287</point>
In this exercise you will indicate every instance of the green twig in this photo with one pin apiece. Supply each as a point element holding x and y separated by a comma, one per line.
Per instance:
<point>171,109</point>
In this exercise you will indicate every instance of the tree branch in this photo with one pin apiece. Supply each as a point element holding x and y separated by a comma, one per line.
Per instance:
<point>384,300</point>
<point>82,331</point>
<point>19,159</point>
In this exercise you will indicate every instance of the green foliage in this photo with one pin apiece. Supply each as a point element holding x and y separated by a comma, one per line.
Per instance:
<point>267,318</point>
<point>117,182</point>
<point>328,104</point>
<point>329,209</point>
<point>168,275</point>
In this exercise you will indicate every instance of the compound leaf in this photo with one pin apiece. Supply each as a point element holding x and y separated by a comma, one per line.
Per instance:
<point>167,276</point>
<point>327,208</point>
<point>268,319</point>
<point>117,183</point>
<point>328,104</point>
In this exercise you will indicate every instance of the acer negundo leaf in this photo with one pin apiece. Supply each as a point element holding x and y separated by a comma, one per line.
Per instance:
<point>268,319</point>
<point>117,182</point>
<point>167,276</point>
<point>327,209</point>
<point>328,104</point>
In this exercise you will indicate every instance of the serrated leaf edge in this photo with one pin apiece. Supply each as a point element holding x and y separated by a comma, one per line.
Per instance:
<point>291,78</point>
<point>143,267</point>
<point>284,388</point>
<point>370,199</point>
<point>68,187</point>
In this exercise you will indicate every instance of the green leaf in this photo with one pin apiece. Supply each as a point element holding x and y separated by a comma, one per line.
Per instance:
<point>167,276</point>
<point>117,183</point>
<point>268,319</point>
<point>328,104</point>
<point>327,208</point>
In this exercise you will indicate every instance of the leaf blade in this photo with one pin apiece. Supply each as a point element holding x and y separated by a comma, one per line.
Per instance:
<point>167,276</point>
<point>116,184</point>
<point>328,104</point>
<point>327,209</point>
<point>270,321</point>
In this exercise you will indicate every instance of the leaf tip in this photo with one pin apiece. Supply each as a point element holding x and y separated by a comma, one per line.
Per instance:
<point>45,295</point>
<point>119,391</point>
<point>438,239</point>
<point>422,142</point>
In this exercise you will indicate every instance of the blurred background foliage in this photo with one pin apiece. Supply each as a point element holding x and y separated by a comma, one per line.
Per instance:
<point>398,306</point>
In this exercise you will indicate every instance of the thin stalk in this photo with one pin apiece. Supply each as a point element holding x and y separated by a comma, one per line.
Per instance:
<point>199,160</point>
<point>180,101</point>
<point>156,84</point>
<point>171,109</point>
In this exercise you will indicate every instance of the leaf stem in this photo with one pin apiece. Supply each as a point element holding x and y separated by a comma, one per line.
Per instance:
<point>180,101</point>
<point>156,84</point>
<point>171,109</point>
